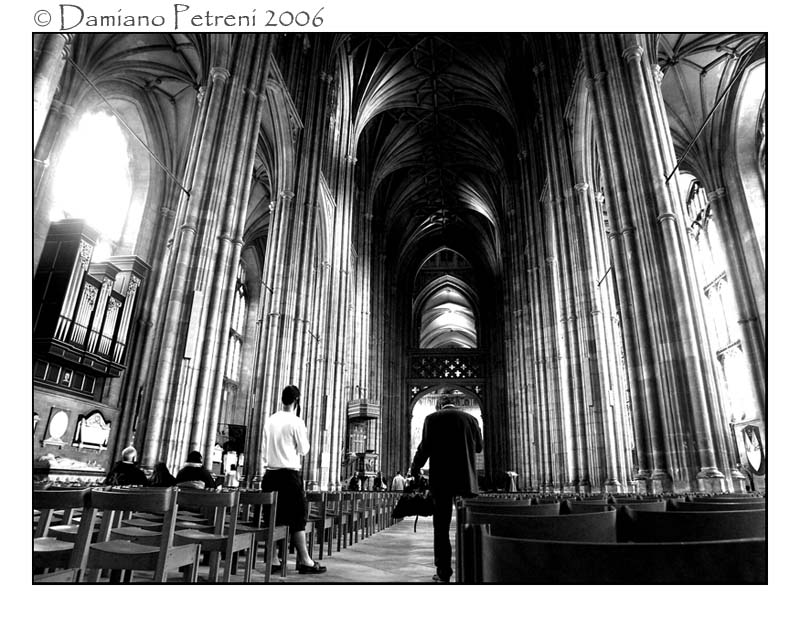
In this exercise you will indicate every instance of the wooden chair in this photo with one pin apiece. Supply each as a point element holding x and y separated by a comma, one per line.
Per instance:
<point>257,516</point>
<point>50,552</point>
<point>123,555</point>
<point>224,540</point>
<point>519,560</point>
<point>318,522</point>
<point>334,509</point>
<point>349,517</point>
<point>590,527</point>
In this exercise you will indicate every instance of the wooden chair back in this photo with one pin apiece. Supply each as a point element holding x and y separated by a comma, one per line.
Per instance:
<point>257,514</point>
<point>114,503</point>
<point>569,506</point>
<point>510,503</point>
<point>55,508</point>
<point>644,506</point>
<point>706,506</point>
<point>519,560</point>
<point>591,527</point>
<point>642,526</point>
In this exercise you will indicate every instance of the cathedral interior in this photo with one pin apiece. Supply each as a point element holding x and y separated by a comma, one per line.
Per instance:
<point>564,231</point>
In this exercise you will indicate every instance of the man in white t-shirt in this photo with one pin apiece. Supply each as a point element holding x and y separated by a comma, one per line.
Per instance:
<point>285,441</point>
<point>398,482</point>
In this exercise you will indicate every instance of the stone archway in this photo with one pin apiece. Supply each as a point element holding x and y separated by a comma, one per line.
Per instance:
<point>426,401</point>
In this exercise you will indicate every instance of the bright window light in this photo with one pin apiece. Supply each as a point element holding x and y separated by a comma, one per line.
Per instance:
<point>93,180</point>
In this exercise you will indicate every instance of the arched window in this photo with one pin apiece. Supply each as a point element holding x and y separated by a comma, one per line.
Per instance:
<point>93,182</point>
<point>236,332</point>
<point>718,303</point>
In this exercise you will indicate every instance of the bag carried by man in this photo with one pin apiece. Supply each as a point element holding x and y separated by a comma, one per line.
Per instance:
<point>416,504</point>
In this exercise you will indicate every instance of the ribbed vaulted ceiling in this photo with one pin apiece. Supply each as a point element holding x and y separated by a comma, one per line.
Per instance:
<point>434,116</point>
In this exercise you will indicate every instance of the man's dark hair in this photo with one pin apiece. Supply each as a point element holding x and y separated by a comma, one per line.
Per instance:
<point>290,395</point>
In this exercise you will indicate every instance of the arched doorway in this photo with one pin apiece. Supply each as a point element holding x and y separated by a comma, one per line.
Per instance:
<point>427,401</point>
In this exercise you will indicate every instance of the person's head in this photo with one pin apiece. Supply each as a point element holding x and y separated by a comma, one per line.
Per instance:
<point>233,467</point>
<point>129,454</point>
<point>446,401</point>
<point>399,473</point>
<point>194,457</point>
<point>290,395</point>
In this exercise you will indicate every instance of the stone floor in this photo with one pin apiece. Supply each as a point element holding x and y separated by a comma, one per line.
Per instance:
<point>395,555</point>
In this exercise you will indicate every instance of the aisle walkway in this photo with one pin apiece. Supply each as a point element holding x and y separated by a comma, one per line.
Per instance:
<point>394,555</point>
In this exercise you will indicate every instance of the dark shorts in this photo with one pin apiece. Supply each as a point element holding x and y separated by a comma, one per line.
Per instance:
<point>292,503</point>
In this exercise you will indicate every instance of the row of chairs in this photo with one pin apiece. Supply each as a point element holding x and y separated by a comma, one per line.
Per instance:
<point>110,532</point>
<point>121,530</point>
<point>501,541</point>
<point>347,517</point>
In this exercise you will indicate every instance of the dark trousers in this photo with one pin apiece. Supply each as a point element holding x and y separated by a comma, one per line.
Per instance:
<point>442,549</point>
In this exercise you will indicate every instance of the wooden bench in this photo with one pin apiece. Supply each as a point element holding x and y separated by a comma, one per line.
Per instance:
<point>519,560</point>
<point>527,521</point>
<point>643,506</point>
<point>643,526</point>
<point>700,506</point>
<point>568,506</point>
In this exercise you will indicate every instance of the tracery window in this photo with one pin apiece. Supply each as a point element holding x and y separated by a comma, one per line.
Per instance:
<point>93,182</point>
<point>236,332</point>
<point>233,357</point>
<point>723,331</point>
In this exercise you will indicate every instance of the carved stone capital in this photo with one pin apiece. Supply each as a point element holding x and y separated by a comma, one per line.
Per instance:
<point>658,74</point>
<point>634,52</point>
<point>68,111</point>
<point>581,187</point>
<point>287,195</point>
<point>522,155</point>
<point>326,77</point>
<point>715,195</point>
<point>351,159</point>
<point>538,69</point>
<point>219,73</point>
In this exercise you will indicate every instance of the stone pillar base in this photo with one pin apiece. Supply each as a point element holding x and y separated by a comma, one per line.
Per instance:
<point>682,486</point>
<point>612,486</point>
<point>584,488</point>
<point>738,483</point>
<point>660,482</point>
<point>711,480</point>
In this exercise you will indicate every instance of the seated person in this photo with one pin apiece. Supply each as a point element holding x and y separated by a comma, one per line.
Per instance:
<point>161,476</point>
<point>194,472</point>
<point>125,472</point>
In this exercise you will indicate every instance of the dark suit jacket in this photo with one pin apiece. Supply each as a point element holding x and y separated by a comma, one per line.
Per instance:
<point>450,438</point>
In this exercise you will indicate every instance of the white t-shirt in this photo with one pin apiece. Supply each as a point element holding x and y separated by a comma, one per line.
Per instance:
<point>285,441</point>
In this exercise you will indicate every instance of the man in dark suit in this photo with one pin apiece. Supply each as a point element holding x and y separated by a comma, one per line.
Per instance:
<point>450,439</point>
